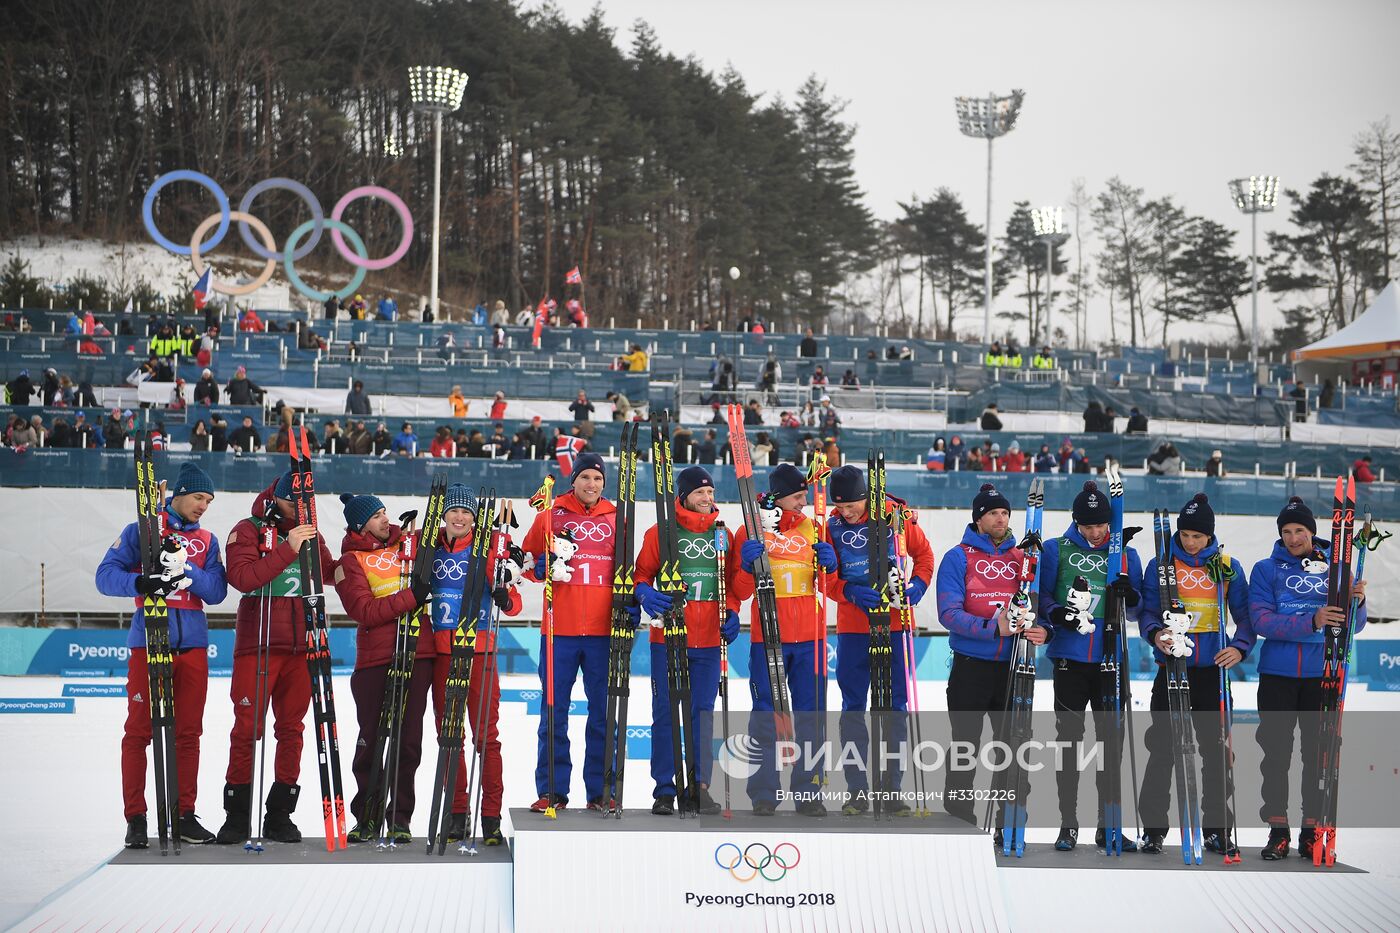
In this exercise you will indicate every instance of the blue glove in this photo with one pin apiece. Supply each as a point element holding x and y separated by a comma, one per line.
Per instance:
<point>826,556</point>
<point>750,552</point>
<point>730,629</point>
<point>862,596</point>
<point>915,591</point>
<point>539,568</point>
<point>655,602</point>
<point>635,614</point>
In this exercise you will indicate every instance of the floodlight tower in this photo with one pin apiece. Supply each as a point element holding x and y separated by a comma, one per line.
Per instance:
<point>1254,195</point>
<point>436,89</point>
<point>988,117</point>
<point>1049,229</point>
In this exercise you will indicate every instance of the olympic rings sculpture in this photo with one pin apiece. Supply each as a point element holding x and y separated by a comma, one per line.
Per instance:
<point>759,864</point>
<point>354,253</point>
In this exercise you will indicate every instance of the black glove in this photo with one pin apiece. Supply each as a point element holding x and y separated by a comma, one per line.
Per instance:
<point>422,590</point>
<point>1063,616</point>
<point>152,584</point>
<point>1129,533</point>
<point>1122,588</point>
<point>501,597</point>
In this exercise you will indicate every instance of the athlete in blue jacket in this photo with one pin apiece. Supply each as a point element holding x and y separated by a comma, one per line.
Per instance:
<point>1194,551</point>
<point>1288,603</point>
<point>192,577</point>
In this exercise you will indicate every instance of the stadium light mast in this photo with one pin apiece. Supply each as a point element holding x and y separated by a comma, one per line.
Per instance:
<point>1049,229</point>
<point>987,118</point>
<point>436,89</point>
<point>1255,195</point>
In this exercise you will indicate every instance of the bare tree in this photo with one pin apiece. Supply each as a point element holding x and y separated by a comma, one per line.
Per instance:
<point>1377,164</point>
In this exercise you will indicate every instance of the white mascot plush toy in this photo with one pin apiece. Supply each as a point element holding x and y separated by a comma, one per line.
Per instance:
<point>1079,600</point>
<point>564,549</point>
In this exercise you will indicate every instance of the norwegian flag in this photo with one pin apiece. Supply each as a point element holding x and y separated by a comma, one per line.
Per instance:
<point>541,315</point>
<point>572,277</point>
<point>201,290</point>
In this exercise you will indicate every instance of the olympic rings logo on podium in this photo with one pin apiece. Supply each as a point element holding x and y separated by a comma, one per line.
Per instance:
<point>757,860</point>
<point>295,249</point>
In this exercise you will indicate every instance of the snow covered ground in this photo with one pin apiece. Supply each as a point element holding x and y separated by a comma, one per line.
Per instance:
<point>60,797</point>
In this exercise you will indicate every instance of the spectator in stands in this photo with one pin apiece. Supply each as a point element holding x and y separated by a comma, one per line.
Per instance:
<point>206,390</point>
<point>218,434</point>
<point>207,344</point>
<point>245,437</point>
<point>989,420</point>
<point>381,441</point>
<point>753,414</point>
<point>1081,461</point>
<point>937,457</point>
<point>49,393</point>
<point>724,380</point>
<point>772,375</point>
<point>189,341</point>
<point>443,445</point>
<point>1044,460</point>
<point>705,453</point>
<point>498,337</point>
<point>388,309</point>
<point>357,401</point>
<point>357,439</point>
<point>849,379</point>
<point>250,323</point>
<point>808,417</point>
<point>199,436</point>
<point>359,308</point>
<point>308,339</point>
<point>114,430</point>
<point>763,450</point>
<point>165,344</point>
<point>458,402</point>
<point>426,314</point>
<point>331,307</point>
<point>1066,456</point>
<point>177,396</point>
<point>577,316</point>
<point>833,453</point>
<point>991,457</point>
<point>636,360</point>
<point>717,415</point>
<point>808,348</point>
<point>86,434</point>
<point>446,346</point>
<point>1328,393</point>
<point>1093,418</point>
<point>535,440</point>
<point>525,318</point>
<point>957,452</point>
<point>74,326</point>
<point>500,317</point>
<point>406,442</point>
<point>995,357</point>
<point>332,439</point>
<point>622,406</point>
<point>1015,459</point>
<point>805,449</point>
<point>1137,422</point>
<point>477,446</point>
<point>243,391</point>
<point>29,433</point>
<point>498,443</point>
<point>1043,360</point>
<point>975,461</point>
<point>1110,420</point>
<point>67,392</point>
<point>498,406</point>
<point>819,377</point>
<point>787,419</point>
<point>461,440</point>
<point>581,408</point>
<point>828,419</point>
<point>1164,461</point>
<point>1361,469</point>
<point>19,389</point>
<point>1215,466</point>
<point>1299,394</point>
<point>518,450</point>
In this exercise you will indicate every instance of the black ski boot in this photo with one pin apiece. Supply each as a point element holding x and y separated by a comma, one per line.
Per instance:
<point>457,827</point>
<point>1126,842</point>
<point>136,832</point>
<point>1152,843</point>
<point>1068,838</point>
<point>1215,841</point>
<point>491,831</point>
<point>277,823</point>
<point>764,807</point>
<point>190,831</point>
<point>813,808</point>
<point>704,803</point>
<point>665,805</point>
<point>362,832</point>
<point>238,823</point>
<point>998,841</point>
<point>856,806</point>
<point>1306,837</point>
<point>1277,846</point>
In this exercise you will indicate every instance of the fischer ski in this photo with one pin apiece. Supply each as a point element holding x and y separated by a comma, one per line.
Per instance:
<point>1020,691</point>
<point>1222,573</point>
<point>543,501</point>
<point>881,649</point>
<point>1178,621</point>
<point>721,554</point>
<point>1113,671</point>
<point>622,634</point>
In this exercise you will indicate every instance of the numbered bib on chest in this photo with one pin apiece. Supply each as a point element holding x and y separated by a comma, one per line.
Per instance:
<point>1197,593</point>
<point>1076,561</point>
<point>381,570</point>
<point>790,556</point>
<point>592,564</point>
<point>699,564</point>
<point>990,581</point>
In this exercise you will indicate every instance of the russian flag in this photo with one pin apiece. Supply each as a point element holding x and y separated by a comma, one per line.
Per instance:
<point>201,290</point>
<point>572,277</point>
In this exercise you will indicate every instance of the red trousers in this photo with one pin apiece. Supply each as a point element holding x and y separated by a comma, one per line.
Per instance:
<point>289,687</point>
<point>367,685</point>
<point>190,673</point>
<point>488,741</point>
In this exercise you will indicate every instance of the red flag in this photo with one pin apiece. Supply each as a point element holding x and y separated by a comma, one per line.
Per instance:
<point>201,290</point>
<point>541,312</point>
<point>572,277</point>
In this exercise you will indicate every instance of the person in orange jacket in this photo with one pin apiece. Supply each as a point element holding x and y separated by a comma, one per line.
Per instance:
<point>370,583</point>
<point>450,567</point>
<point>581,619</point>
<point>696,515</point>
<point>855,598</point>
<point>790,543</point>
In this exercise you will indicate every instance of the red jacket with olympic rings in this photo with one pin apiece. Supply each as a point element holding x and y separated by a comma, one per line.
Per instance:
<point>368,583</point>
<point>583,606</point>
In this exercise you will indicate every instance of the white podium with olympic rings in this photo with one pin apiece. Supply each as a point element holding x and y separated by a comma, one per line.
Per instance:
<point>585,871</point>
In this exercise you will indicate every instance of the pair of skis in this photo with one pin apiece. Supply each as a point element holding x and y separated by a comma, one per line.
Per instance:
<point>1184,758</point>
<point>415,565</point>
<point>1020,688</point>
<point>318,647</point>
<point>160,659</point>
<point>1113,672</point>
<point>1222,573</point>
<point>721,555</point>
<point>543,501</point>
<point>903,515</point>
<point>622,633</point>
<point>673,627</point>
<point>881,646</point>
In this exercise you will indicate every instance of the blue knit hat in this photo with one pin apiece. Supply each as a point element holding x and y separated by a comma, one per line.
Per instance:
<point>459,496</point>
<point>691,479</point>
<point>847,484</point>
<point>284,486</point>
<point>587,462</point>
<point>360,509</point>
<point>191,480</point>
<point>1091,506</point>
<point>987,499</point>
<point>786,479</point>
<point>1296,512</point>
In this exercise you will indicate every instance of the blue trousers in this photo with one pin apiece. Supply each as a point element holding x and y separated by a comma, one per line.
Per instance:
<point>704,687</point>
<point>572,654</point>
<point>807,693</point>
<point>853,677</point>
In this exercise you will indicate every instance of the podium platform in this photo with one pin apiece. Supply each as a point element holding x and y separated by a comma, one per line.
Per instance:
<point>287,887</point>
<point>783,872</point>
